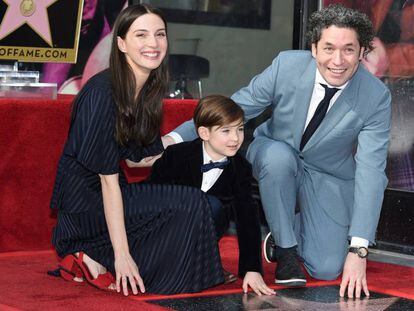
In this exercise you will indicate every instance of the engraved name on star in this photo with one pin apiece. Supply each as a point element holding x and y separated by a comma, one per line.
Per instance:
<point>30,12</point>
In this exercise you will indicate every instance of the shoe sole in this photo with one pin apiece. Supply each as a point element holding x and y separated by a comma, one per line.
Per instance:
<point>264,248</point>
<point>291,282</point>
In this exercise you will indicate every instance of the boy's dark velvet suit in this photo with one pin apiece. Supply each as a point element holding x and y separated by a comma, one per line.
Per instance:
<point>181,165</point>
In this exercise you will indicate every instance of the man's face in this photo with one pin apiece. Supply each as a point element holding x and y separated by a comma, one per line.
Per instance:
<point>337,54</point>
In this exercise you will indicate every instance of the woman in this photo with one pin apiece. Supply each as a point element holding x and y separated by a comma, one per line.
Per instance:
<point>103,222</point>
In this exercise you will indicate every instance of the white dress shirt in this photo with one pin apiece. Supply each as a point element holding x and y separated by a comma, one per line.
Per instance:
<point>318,94</point>
<point>210,177</point>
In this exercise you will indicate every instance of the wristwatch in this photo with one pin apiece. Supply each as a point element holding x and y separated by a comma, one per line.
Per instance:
<point>361,251</point>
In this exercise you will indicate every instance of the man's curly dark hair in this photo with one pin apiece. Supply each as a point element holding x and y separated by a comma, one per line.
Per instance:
<point>340,16</point>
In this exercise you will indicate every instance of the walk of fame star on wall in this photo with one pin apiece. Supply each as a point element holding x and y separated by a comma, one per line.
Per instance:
<point>30,12</point>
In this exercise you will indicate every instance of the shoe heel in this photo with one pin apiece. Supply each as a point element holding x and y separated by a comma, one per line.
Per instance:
<point>102,282</point>
<point>69,269</point>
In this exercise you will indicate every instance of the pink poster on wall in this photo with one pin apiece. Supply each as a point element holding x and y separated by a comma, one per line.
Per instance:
<point>392,60</point>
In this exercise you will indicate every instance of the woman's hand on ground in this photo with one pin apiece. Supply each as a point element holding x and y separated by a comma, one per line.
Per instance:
<point>127,272</point>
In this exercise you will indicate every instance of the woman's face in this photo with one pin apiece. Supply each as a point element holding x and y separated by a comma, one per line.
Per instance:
<point>145,44</point>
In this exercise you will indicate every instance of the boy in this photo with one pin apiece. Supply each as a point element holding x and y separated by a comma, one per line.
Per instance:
<point>212,164</point>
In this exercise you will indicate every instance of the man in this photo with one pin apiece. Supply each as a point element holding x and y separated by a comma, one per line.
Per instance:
<point>323,150</point>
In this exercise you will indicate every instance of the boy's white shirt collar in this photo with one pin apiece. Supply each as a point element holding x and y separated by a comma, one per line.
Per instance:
<point>209,178</point>
<point>207,158</point>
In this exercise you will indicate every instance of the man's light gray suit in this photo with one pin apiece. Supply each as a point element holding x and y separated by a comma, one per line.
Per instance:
<point>338,179</point>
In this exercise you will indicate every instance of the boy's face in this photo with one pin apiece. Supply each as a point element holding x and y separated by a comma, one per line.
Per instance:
<point>221,141</point>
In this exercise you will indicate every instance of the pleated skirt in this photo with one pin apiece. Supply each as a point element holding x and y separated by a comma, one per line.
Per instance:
<point>170,232</point>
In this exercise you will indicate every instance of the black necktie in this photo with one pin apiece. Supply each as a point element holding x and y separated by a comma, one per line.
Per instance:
<point>319,115</point>
<point>209,166</point>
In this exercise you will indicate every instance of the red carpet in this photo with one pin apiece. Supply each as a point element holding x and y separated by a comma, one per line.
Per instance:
<point>25,285</point>
<point>32,134</point>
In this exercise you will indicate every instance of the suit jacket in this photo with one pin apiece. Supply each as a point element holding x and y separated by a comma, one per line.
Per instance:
<point>181,165</point>
<point>346,156</point>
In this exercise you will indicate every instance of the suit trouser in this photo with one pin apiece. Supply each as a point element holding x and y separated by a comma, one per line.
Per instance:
<point>284,182</point>
<point>221,221</point>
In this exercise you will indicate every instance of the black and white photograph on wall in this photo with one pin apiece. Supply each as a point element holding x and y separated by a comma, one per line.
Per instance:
<point>229,13</point>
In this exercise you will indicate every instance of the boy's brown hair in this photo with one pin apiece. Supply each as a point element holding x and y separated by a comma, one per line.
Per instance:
<point>216,110</point>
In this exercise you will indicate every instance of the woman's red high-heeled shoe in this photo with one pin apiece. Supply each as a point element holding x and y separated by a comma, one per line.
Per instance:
<point>69,269</point>
<point>103,281</point>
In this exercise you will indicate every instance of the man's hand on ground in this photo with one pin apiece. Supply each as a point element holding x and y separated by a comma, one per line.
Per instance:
<point>354,276</point>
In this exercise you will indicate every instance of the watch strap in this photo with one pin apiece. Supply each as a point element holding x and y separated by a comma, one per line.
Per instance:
<point>361,251</point>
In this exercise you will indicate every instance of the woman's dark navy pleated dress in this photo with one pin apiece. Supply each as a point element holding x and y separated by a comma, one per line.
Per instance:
<point>170,230</point>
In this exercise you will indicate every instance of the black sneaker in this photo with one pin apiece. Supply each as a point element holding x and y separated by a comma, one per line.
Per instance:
<point>269,248</point>
<point>289,271</point>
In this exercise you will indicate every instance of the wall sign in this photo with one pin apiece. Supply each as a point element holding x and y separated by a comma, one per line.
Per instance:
<point>40,30</point>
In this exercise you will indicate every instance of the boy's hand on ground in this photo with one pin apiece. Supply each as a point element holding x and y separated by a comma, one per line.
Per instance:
<point>255,281</point>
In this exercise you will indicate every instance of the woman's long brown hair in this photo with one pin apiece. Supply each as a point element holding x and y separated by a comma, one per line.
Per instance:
<point>138,118</point>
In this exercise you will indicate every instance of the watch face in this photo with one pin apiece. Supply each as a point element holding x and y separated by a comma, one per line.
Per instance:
<point>362,252</point>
